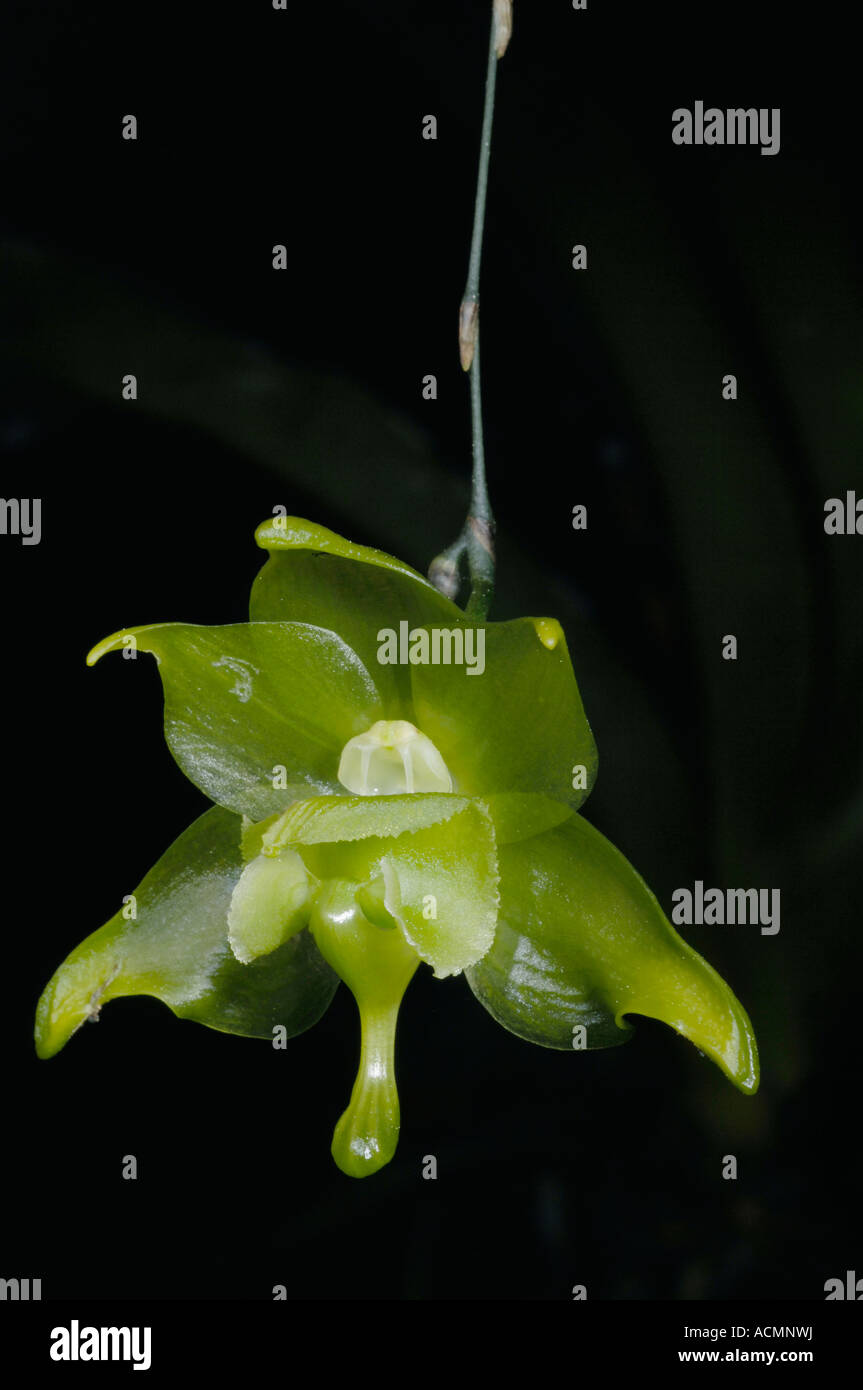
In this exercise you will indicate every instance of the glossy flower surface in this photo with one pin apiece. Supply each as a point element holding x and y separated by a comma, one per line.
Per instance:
<point>392,785</point>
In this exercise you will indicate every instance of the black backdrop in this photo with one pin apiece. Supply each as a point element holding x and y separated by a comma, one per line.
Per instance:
<point>303,388</point>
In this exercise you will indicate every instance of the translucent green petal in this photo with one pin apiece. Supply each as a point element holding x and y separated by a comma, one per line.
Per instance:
<point>292,533</point>
<point>581,940</point>
<point>442,889</point>
<point>270,904</point>
<point>519,726</point>
<point>256,714</point>
<point>519,815</point>
<point>516,816</point>
<point>322,820</point>
<point>435,853</point>
<point>315,576</point>
<point>176,949</point>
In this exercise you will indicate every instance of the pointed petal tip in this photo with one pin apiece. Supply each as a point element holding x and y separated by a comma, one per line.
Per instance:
<point>295,533</point>
<point>727,1037</point>
<point>279,532</point>
<point>61,1011</point>
<point>117,641</point>
<point>108,644</point>
<point>47,1038</point>
<point>549,632</point>
<point>747,1074</point>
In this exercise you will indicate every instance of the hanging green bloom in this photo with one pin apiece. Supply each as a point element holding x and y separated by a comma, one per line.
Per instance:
<point>392,785</point>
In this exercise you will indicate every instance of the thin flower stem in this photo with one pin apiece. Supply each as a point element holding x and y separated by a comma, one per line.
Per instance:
<point>479,526</point>
<point>476,540</point>
<point>472,289</point>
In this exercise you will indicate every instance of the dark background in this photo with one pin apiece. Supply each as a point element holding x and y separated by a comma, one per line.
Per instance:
<point>303,388</point>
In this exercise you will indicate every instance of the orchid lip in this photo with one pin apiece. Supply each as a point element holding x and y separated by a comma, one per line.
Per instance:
<point>390,759</point>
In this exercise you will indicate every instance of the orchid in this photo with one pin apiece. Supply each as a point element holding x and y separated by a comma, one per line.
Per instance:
<point>378,805</point>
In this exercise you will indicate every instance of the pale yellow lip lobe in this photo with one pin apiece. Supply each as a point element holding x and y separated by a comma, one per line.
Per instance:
<point>390,759</point>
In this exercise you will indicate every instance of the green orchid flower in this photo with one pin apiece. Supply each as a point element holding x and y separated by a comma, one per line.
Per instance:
<point>392,786</point>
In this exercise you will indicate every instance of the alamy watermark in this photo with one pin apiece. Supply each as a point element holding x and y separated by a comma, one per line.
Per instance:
<point>848,1288</point>
<point>76,1343</point>
<point>733,126</point>
<point>433,646</point>
<point>21,517</point>
<point>721,906</point>
<point>20,1290</point>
